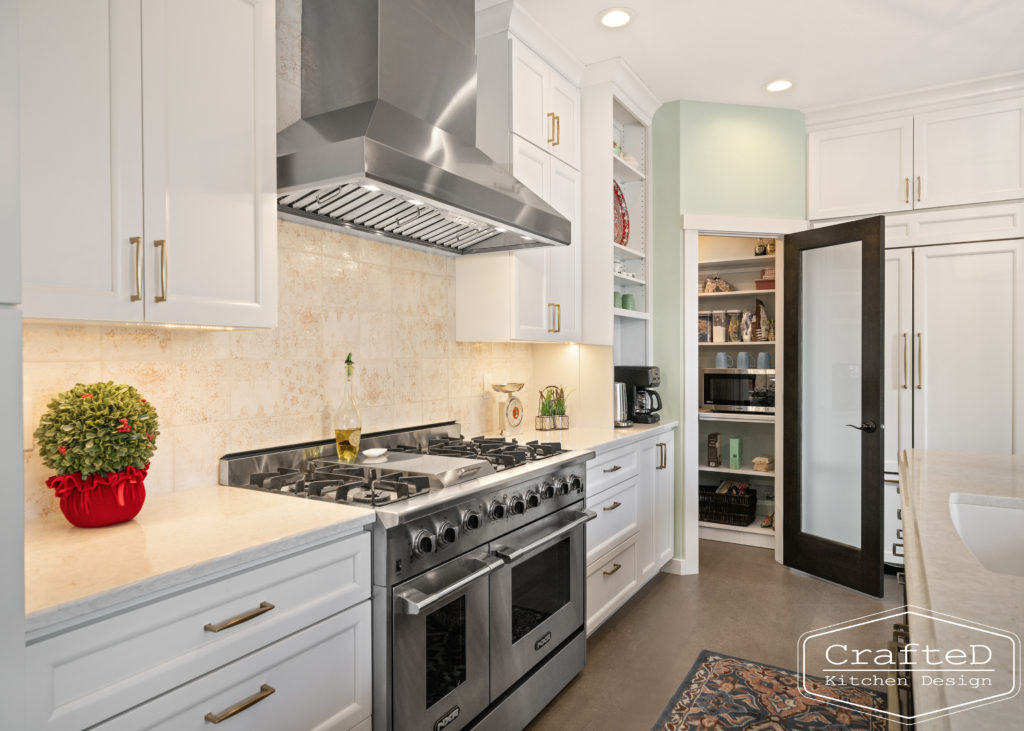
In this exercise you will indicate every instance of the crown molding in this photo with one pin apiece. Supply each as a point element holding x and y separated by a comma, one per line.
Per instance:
<point>505,16</point>
<point>990,88</point>
<point>629,87</point>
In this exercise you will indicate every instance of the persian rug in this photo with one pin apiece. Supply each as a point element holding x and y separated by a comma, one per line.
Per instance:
<point>725,693</point>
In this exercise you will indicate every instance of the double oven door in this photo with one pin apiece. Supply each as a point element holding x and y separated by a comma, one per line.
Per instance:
<point>466,631</point>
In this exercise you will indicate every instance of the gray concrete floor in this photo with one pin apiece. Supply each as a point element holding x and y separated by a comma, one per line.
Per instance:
<point>741,603</point>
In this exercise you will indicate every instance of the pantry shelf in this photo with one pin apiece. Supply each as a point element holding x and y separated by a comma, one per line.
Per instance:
<point>737,263</point>
<point>735,293</point>
<point>730,471</point>
<point>738,418</point>
<point>748,344</point>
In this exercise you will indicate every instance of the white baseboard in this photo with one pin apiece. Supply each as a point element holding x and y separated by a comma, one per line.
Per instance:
<point>678,567</point>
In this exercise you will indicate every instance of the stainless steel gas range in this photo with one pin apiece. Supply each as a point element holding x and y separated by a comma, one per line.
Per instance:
<point>478,568</point>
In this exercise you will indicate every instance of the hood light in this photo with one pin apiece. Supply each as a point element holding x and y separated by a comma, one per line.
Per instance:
<point>615,17</point>
<point>778,85</point>
<point>374,188</point>
<point>526,238</point>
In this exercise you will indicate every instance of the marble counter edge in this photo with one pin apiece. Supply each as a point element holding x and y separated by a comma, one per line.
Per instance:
<point>62,617</point>
<point>628,437</point>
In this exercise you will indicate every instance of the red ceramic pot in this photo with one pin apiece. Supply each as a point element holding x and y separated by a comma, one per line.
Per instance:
<point>100,500</point>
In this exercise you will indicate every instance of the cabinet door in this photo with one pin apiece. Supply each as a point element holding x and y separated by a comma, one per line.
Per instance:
<point>563,100</point>
<point>81,158</point>
<point>646,560</point>
<point>865,168</point>
<point>532,314</point>
<point>563,262</point>
<point>664,501</point>
<point>898,357</point>
<point>970,154</point>
<point>969,347</point>
<point>529,116</point>
<point>209,153</point>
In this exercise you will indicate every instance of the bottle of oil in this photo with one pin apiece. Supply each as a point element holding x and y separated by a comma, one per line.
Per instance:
<point>347,422</point>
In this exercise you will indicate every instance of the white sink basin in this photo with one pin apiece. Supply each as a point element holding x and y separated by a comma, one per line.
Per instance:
<point>992,528</point>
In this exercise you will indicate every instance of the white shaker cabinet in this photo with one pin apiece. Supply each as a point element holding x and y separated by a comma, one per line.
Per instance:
<point>858,169</point>
<point>148,158</point>
<point>898,377</point>
<point>972,154</point>
<point>545,105</point>
<point>657,476</point>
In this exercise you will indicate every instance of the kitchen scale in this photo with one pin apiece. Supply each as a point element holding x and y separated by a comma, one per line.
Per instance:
<point>510,413</point>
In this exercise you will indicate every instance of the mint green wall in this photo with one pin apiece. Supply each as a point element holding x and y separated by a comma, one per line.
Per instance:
<point>741,161</point>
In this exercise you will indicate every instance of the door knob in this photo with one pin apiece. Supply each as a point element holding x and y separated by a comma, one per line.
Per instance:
<point>867,426</point>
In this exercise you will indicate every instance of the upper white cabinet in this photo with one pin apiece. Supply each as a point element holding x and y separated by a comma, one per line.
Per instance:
<point>544,104</point>
<point>860,169</point>
<point>148,161</point>
<point>956,156</point>
<point>969,155</point>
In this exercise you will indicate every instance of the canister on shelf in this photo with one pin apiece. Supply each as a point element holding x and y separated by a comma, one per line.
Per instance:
<point>718,323</point>
<point>704,326</point>
<point>734,325</point>
<point>735,453</point>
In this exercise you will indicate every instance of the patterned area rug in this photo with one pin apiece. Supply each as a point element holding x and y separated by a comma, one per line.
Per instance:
<point>726,693</point>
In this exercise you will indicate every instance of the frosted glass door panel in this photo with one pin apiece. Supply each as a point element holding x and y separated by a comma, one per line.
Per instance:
<point>830,351</point>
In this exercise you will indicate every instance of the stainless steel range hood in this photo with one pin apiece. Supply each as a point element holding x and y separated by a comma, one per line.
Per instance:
<point>387,141</point>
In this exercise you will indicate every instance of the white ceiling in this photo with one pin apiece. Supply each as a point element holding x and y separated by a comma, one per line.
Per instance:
<point>834,51</point>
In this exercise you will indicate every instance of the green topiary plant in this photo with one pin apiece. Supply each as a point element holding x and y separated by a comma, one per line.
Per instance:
<point>97,428</point>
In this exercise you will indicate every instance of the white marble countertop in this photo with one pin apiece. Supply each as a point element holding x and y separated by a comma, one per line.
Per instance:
<point>596,437</point>
<point>942,575</point>
<point>178,538</point>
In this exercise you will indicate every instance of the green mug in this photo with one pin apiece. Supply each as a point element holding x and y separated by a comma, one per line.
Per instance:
<point>617,297</point>
<point>628,302</point>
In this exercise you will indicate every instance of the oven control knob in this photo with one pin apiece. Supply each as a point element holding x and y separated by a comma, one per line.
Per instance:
<point>517,505</point>
<point>498,509</point>
<point>575,483</point>
<point>562,487</point>
<point>447,533</point>
<point>423,542</point>
<point>532,499</point>
<point>471,520</point>
<point>548,490</point>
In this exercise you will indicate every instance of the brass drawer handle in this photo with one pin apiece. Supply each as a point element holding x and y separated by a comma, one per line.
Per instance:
<point>551,116</point>
<point>899,513</point>
<point>899,534</point>
<point>263,608</point>
<point>616,468</point>
<point>901,578</point>
<point>265,692</point>
<point>558,131</point>
<point>894,547</point>
<point>614,505</point>
<point>616,566</point>
<point>136,241</point>
<point>162,245</point>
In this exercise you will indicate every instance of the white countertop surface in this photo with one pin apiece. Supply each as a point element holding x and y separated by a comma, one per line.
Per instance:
<point>177,539</point>
<point>595,438</point>
<point>943,576</point>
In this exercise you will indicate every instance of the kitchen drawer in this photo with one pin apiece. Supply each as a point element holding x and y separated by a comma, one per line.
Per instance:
<point>616,519</point>
<point>320,679</point>
<point>610,582</point>
<point>611,467</point>
<point>83,676</point>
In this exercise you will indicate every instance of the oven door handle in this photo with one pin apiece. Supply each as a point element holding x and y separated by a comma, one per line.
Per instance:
<point>511,554</point>
<point>413,601</point>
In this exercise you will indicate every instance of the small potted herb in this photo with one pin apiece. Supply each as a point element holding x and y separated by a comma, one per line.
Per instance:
<point>99,439</point>
<point>551,409</point>
<point>558,407</point>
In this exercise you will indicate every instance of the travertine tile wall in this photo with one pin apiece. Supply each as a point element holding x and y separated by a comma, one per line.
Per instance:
<point>219,392</point>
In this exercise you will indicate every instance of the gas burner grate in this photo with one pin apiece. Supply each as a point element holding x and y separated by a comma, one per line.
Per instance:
<point>274,480</point>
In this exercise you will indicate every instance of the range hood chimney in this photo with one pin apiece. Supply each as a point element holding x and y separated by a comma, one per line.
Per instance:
<point>387,141</point>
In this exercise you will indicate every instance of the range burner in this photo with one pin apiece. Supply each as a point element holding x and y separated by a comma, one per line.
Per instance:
<point>330,480</point>
<point>500,452</point>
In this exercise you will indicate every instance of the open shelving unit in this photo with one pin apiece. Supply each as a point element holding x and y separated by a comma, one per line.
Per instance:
<point>733,259</point>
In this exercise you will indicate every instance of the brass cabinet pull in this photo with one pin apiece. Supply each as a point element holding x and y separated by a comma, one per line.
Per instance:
<point>265,692</point>
<point>558,317</point>
<point>616,468</point>
<point>558,131</point>
<point>899,513</point>
<point>907,190</point>
<point>162,246</point>
<point>662,456</point>
<point>617,566</point>
<point>551,317</point>
<point>901,578</point>
<point>905,360</point>
<point>551,116</point>
<point>614,505</point>
<point>918,188</point>
<point>263,608</point>
<point>920,361</point>
<point>136,241</point>
<point>899,534</point>
<point>894,547</point>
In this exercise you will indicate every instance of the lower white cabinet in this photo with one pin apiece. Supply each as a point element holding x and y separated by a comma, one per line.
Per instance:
<point>316,679</point>
<point>632,490</point>
<point>215,632</point>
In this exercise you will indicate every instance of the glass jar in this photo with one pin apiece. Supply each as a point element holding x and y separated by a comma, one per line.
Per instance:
<point>704,326</point>
<point>734,326</point>
<point>718,323</point>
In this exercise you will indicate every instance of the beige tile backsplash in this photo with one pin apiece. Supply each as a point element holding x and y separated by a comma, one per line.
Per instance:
<point>219,392</point>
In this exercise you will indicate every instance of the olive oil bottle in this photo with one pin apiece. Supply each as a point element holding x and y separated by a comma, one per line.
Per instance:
<point>347,422</point>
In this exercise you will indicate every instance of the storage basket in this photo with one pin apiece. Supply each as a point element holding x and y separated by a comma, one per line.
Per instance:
<point>728,509</point>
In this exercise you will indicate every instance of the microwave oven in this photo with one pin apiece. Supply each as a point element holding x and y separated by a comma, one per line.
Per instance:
<point>739,389</point>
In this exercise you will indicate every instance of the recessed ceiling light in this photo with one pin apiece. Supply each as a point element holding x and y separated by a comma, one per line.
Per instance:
<point>778,85</point>
<point>615,17</point>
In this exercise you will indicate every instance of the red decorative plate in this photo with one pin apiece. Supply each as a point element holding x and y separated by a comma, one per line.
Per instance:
<point>621,216</point>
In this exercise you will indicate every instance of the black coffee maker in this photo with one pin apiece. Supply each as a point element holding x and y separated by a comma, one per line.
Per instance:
<point>642,400</point>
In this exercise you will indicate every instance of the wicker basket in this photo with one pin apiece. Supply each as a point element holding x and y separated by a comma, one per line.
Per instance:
<point>727,509</point>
